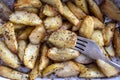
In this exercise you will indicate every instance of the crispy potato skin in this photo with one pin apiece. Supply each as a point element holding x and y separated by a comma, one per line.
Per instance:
<point>116,42</point>
<point>87,27</point>
<point>37,35</point>
<point>26,18</point>
<point>8,57</point>
<point>10,37</point>
<point>12,74</point>
<point>63,38</point>
<point>63,54</point>
<point>31,53</point>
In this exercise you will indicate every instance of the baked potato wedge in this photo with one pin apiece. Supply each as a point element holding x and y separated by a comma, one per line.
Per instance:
<point>26,18</point>
<point>70,16</point>
<point>83,5</point>
<point>30,56</point>
<point>12,74</point>
<point>63,38</point>
<point>76,10</point>
<point>38,34</point>
<point>98,37</point>
<point>76,28</point>
<point>10,37</point>
<point>116,41</point>
<point>53,23</point>
<point>70,69</point>
<point>49,11</point>
<point>22,44</point>
<point>65,26</point>
<point>110,10</point>
<point>95,9</point>
<point>107,69</point>
<point>108,32</point>
<point>52,68</point>
<point>25,34</point>
<point>8,57</point>
<point>87,27</point>
<point>62,54</point>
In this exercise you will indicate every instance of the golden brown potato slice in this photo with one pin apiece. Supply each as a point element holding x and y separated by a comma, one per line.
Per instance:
<point>110,50</point>
<point>66,26</point>
<point>12,74</point>
<point>92,72</point>
<point>70,16</point>
<point>25,34</point>
<point>87,27</point>
<point>111,10</point>
<point>70,69</point>
<point>108,32</point>
<point>37,35</point>
<point>83,5</point>
<point>53,23</point>
<point>31,53</point>
<point>83,59</point>
<point>26,18</point>
<point>63,38</point>
<point>49,11</point>
<point>62,54</point>
<point>116,42</point>
<point>10,38</point>
<point>52,68</point>
<point>75,10</point>
<point>8,57</point>
<point>76,28</point>
<point>98,24</point>
<point>22,44</point>
<point>98,37</point>
<point>95,9</point>
<point>44,60</point>
<point>27,3</point>
<point>107,69</point>
<point>55,3</point>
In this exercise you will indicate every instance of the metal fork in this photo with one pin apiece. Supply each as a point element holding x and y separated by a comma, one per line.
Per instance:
<point>92,50</point>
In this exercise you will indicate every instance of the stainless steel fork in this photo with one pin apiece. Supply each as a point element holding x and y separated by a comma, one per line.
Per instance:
<point>92,50</point>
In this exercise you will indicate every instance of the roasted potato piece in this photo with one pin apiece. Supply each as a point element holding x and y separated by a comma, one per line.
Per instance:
<point>87,27</point>
<point>83,5</point>
<point>55,3</point>
<point>53,23</point>
<point>52,68</point>
<point>25,34</point>
<point>110,10</point>
<point>107,69</point>
<point>66,26</point>
<point>10,38</point>
<point>37,35</point>
<point>70,69</point>
<point>70,16</point>
<point>22,44</point>
<point>63,38</point>
<point>92,72</point>
<point>116,42</point>
<point>75,10</point>
<point>49,11</point>
<point>44,60</point>
<point>83,59</point>
<point>98,37</point>
<point>31,53</point>
<point>62,54</point>
<point>27,3</point>
<point>26,18</point>
<point>110,50</point>
<point>12,74</point>
<point>104,52</point>
<point>108,32</point>
<point>8,57</point>
<point>76,28</point>
<point>98,24</point>
<point>95,9</point>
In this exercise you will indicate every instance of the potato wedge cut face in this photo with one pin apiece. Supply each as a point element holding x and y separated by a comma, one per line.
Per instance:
<point>63,38</point>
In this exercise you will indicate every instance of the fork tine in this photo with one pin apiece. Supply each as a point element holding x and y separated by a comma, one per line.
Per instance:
<point>79,49</point>
<point>81,43</point>
<point>82,39</point>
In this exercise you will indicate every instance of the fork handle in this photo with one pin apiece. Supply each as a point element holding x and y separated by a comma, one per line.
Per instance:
<point>117,66</point>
